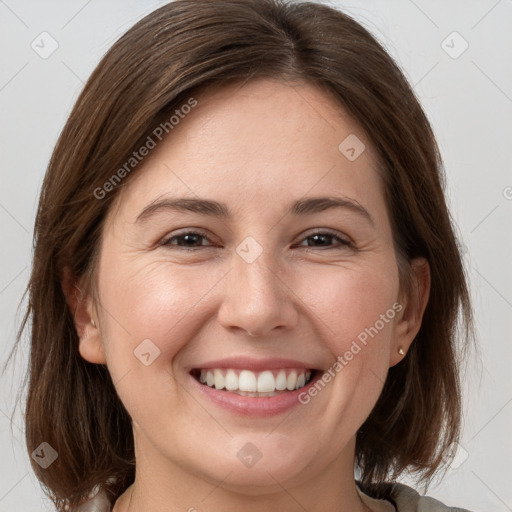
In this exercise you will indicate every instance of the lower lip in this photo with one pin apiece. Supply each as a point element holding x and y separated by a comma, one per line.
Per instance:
<point>254,406</point>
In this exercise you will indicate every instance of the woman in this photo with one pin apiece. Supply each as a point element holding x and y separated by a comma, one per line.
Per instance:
<point>245,281</point>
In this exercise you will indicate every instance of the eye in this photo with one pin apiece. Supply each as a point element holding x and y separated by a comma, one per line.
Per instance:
<point>189,239</point>
<point>324,236</point>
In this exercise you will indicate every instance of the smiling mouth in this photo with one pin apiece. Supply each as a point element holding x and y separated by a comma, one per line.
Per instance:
<point>265,383</point>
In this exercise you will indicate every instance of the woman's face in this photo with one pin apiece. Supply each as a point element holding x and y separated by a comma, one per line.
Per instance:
<point>259,294</point>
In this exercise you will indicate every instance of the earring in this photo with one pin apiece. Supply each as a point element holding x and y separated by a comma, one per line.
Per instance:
<point>92,322</point>
<point>401,351</point>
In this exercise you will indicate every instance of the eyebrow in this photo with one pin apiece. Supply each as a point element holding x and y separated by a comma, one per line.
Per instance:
<point>301,207</point>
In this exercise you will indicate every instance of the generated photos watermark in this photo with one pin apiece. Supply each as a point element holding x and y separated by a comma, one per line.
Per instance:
<point>151,142</point>
<point>355,347</point>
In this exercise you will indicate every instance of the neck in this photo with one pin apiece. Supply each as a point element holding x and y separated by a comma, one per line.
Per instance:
<point>162,486</point>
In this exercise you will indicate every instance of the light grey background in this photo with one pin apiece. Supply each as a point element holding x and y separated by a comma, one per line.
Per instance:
<point>467,98</point>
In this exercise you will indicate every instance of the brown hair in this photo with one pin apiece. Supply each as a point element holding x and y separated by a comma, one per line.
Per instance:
<point>174,52</point>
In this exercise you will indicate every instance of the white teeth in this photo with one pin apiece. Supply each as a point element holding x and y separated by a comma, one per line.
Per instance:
<point>219,379</point>
<point>281,381</point>
<point>231,381</point>
<point>291,381</point>
<point>266,382</point>
<point>249,383</point>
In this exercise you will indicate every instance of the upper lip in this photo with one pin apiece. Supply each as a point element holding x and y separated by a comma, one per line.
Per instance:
<point>248,363</point>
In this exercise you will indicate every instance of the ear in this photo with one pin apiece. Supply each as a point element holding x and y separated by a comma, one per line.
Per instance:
<point>83,310</point>
<point>408,320</point>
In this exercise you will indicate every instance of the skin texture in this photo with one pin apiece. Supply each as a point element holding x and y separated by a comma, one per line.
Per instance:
<point>256,148</point>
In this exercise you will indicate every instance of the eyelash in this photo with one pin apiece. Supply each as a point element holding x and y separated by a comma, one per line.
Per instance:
<point>167,242</point>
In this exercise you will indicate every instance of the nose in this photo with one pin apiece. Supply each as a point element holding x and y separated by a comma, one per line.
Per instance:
<point>257,298</point>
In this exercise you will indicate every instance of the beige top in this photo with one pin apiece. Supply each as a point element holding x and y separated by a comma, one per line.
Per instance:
<point>405,499</point>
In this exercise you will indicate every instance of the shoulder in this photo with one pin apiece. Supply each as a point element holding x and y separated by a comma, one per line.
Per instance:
<point>408,499</point>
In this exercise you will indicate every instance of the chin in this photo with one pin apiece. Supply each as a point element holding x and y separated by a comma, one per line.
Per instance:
<point>257,464</point>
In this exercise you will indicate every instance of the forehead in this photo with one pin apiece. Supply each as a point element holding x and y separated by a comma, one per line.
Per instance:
<point>244,144</point>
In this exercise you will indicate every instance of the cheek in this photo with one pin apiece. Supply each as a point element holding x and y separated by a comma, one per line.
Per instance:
<point>146,314</point>
<point>350,301</point>
<point>357,309</point>
<point>155,301</point>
